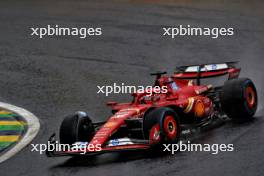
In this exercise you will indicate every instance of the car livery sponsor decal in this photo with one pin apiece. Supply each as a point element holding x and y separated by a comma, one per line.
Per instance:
<point>114,142</point>
<point>110,124</point>
<point>214,67</point>
<point>124,112</point>
<point>119,142</point>
<point>190,105</point>
<point>131,109</point>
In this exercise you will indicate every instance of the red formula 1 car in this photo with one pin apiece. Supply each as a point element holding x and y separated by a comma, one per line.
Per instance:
<point>157,119</point>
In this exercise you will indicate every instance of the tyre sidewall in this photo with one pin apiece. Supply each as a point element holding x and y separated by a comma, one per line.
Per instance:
<point>158,116</point>
<point>233,99</point>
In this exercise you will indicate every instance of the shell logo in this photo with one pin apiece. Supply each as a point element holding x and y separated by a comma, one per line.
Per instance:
<point>199,109</point>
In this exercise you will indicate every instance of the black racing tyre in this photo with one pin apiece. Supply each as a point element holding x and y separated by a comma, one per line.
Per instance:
<point>161,125</point>
<point>239,99</point>
<point>76,127</point>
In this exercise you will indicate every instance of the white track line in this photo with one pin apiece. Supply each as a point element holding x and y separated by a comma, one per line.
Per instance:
<point>32,131</point>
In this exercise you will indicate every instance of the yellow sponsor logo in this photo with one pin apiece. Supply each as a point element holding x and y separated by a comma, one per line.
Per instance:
<point>190,105</point>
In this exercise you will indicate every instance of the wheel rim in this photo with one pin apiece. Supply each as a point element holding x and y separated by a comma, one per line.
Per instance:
<point>250,97</point>
<point>154,135</point>
<point>170,127</point>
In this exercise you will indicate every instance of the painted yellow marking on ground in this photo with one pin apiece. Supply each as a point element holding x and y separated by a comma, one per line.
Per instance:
<point>5,112</point>
<point>30,129</point>
<point>9,138</point>
<point>12,123</point>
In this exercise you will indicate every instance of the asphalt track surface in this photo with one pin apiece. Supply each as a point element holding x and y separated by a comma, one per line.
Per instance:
<point>57,76</point>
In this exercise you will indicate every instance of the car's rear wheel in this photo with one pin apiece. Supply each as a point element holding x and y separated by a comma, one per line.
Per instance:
<point>239,99</point>
<point>161,125</point>
<point>76,127</point>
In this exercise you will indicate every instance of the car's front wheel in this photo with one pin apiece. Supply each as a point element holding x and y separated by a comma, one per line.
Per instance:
<point>76,127</point>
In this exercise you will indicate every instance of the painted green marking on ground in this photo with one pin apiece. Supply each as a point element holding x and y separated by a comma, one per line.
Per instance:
<point>8,115</point>
<point>12,127</point>
<point>10,123</point>
<point>5,144</point>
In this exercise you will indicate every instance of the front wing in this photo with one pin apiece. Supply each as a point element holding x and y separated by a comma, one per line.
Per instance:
<point>133,145</point>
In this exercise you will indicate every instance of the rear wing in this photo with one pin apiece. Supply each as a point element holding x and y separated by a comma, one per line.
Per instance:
<point>207,71</point>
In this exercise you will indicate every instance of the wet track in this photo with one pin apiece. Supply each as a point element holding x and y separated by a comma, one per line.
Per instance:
<point>57,76</point>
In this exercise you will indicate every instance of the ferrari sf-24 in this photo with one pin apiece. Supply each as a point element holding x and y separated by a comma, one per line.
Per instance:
<point>148,121</point>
